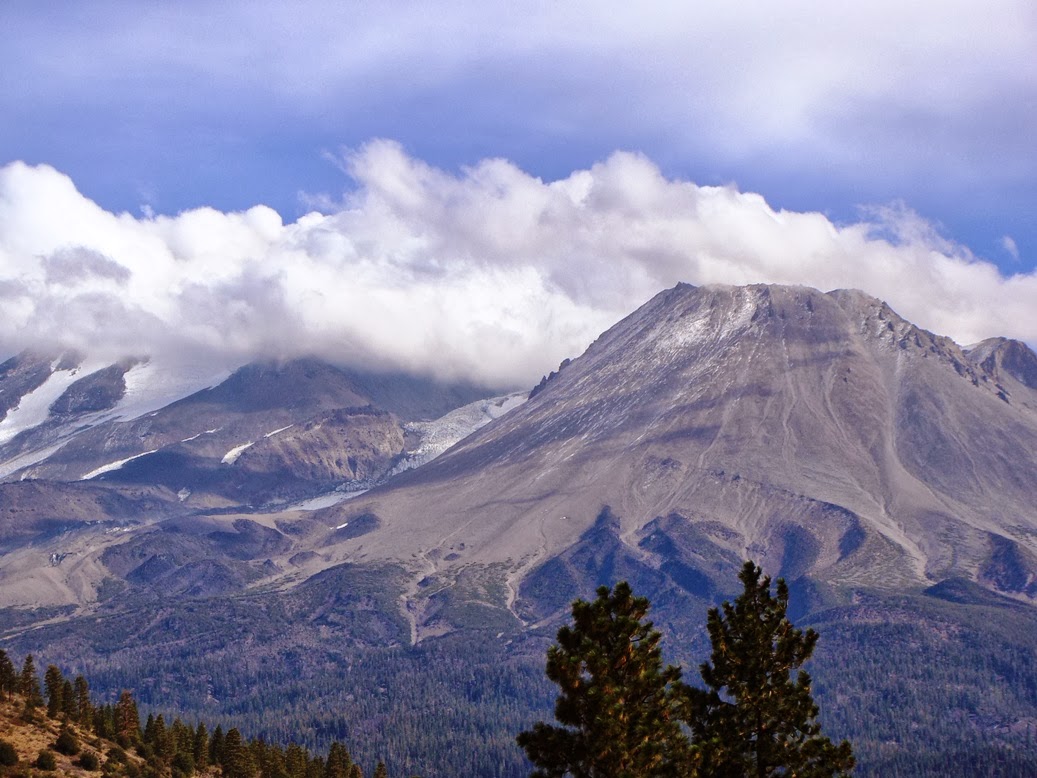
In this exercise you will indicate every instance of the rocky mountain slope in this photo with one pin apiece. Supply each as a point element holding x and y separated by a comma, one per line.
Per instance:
<point>821,434</point>
<point>885,471</point>
<point>81,477</point>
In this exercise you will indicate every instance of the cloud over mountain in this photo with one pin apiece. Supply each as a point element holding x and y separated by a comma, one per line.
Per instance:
<point>489,274</point>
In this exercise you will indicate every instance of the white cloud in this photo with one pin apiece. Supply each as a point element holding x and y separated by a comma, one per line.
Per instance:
<point>490,274</point>
<point>1008,244</point>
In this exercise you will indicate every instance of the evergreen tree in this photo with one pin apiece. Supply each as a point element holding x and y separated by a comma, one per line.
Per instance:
<point>53,682</point>
<point>158,737</point>
<point>29,684</point>
<point>8,676</point>
<point>68,701</point>
<point>338,762</point>
<point>380,771</point>
<point>84,708</point>
<point>216,746</point>
<point>104,722</point>
<point>618,704</point>
<point>67,742</point>
<point>295,761</point>
<point>753,719</point>
<point>237,759</point>
<point>127,720</point>
<point>201,747</point>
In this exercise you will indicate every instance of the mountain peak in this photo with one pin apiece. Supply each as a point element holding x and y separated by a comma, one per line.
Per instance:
<point>793,418</point>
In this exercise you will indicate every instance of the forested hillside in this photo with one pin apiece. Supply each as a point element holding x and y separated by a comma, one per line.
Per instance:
<point>59,727</point>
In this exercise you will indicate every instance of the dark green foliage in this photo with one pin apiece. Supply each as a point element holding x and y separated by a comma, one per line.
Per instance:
<point>54,683</point>
<point>8,676</point>
<point>200,746</point>
<point>907,678</point>
<point>29,684</point>
<point>967,673</point>
<point>618,704</point>
<point>216,746</point>
<point>338,763</point>
<point>183,763</point>
<point>46,761</point>
<point>68,701</point>
<point>89,761</point>
<point>81,691</point>
<point>8,755</point>
<point>67,743</point>
<point>380,771</point>
<point>754,719</point>
<point>237,760</point>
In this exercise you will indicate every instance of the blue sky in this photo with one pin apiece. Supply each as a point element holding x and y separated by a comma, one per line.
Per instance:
<point>915,118</point>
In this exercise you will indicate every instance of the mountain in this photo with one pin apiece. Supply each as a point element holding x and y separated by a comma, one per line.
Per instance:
<point>821,434</point>
<point>82,477</point>
<point>884,471</point>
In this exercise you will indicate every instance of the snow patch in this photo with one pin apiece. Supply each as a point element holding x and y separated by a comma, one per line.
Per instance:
<point>325,501</point>
<point>710,325</point>
<point>275,432</point>
<point>198,435</point>
<point>114,465</point>
<point>438,435</point>
<point>232,456</point>
<point>27,460</point>
<point>34,407</point>
<point>151,386</point>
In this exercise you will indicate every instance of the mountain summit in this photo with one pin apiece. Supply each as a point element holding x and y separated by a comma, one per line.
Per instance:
<point>821,434</point>
<point>885,472</point>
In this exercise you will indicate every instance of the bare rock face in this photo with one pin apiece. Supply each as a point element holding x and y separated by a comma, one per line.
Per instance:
<point>829,437</point>
<point>347,444</point>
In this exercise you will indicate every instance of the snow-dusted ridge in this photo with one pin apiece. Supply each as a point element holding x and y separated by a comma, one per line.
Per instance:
<point>34,407</point>
<point>113,466</point>
<point>151,386</point>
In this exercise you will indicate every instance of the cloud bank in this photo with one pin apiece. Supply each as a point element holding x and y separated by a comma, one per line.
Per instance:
<point>491,274</point>
<point>819,106</point>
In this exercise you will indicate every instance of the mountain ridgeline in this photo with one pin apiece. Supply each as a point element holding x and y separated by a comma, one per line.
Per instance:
<point>205,549</point>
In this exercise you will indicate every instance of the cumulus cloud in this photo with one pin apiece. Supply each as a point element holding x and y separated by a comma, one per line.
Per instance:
<point>491,274</point>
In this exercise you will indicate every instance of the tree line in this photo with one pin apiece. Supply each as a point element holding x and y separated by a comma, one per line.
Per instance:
<point>622,713</point>
<point>175,749</point>
<point>625,715</point>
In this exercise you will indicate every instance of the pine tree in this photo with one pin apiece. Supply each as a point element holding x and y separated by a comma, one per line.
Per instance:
<point>617,702</point>
<point>29,684</point>
<point>339,762</point>
<point>754,719</point>
<point>216,746</point>
<point>104,722</point>
<point>201,747</point>
<point>68,700</point>
<point>237,759</point>
<point>84,709</point>
<point>380,771</point>
<point>295,761</point>
<point>8,676</point>
<point>53,682</point>
<point>127,720</point>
